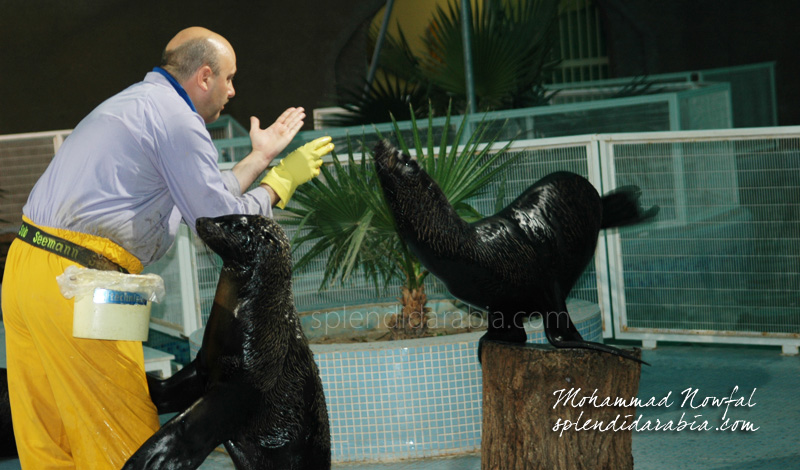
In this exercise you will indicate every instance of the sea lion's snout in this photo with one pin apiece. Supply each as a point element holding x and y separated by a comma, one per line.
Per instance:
<point>406,160</point>
<point>400,161</point>
<point>392,161</point>
<point>217,234</point>
<point>242,238</point>
<point>385,155</point>
<point>212,229</point>
<point>206,228</point>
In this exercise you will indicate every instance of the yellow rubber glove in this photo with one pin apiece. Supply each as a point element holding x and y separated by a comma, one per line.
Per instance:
<point>297,168</point>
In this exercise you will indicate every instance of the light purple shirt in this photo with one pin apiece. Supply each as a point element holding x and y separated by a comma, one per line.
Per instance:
<point>133,168</point>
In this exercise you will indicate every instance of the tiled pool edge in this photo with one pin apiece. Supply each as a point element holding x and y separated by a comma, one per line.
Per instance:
<point>417,398</point>
<point>410,399</point>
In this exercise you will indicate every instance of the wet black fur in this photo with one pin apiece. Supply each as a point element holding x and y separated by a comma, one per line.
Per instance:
<point>520,262</point>
<point>8,446</point>
<point>254,385</point>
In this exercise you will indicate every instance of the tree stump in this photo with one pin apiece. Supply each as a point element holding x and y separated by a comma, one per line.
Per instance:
<point>539,411</point>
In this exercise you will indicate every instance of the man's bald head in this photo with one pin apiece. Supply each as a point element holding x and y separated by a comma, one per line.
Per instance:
<point>193,48</point>
<point>204,64</point>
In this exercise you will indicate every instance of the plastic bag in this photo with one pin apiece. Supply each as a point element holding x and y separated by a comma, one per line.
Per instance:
<point>77,281</point>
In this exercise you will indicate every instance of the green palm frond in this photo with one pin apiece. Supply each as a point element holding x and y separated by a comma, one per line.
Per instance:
<point>462,172</point>
<point>397,57</point>
<point>374,102</point>
<point>512,50</point>
<point>345,218</point>
<point>334,213</point>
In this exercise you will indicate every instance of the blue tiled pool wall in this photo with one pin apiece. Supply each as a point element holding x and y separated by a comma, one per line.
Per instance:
<point>170,344</point>
<point>417,401</point>
<point>394,400</point>
<point>420,398</point>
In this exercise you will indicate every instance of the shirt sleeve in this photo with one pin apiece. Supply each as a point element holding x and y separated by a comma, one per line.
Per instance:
<point>231,183</point>
<point>187,160</point>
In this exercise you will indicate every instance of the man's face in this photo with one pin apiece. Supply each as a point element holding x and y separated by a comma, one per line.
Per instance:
<point>220,89</point>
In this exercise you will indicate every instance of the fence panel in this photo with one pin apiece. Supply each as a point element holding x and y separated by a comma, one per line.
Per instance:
<point>538,161</point>
<point>24,157</point>
<point>721,263</point>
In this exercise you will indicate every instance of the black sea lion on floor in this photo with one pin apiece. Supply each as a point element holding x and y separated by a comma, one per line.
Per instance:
<point>254,385</point>
<point>520,262</point>
<point>8,446</point>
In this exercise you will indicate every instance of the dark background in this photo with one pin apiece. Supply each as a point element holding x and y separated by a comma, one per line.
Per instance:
<point>659,36</point>
<point>61,58</point>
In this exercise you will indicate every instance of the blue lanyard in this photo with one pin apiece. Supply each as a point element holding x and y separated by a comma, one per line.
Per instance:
<point>177,86</point>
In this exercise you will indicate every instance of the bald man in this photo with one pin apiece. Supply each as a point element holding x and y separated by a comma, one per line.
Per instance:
<point>115,192</point>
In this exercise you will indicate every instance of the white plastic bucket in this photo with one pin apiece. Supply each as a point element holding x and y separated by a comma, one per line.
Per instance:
<point>109,304</point>
<point>111,314</point>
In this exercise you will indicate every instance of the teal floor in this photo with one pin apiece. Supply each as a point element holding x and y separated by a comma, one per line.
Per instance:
<point>766,380</point>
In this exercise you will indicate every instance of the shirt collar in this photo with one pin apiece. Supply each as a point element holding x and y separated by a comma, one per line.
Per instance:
<point>177,86</point>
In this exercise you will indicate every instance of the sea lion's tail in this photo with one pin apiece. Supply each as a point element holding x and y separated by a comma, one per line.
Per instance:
<point>621,207</point>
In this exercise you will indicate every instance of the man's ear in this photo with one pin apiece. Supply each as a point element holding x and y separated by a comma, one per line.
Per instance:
<point>203,77</point>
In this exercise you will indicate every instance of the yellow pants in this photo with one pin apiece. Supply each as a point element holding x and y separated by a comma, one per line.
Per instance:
<point>75,403</point>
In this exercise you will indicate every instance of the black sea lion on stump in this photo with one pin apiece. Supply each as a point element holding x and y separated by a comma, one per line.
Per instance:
<point>520,262</point>
<point>254,385</point>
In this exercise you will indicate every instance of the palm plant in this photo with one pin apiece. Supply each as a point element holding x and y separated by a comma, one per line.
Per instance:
<point>512,44</point>
<point>344,213</point>
<point>375,102</point>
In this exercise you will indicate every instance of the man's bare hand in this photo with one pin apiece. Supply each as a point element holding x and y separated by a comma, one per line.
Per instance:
<point>267,144</point>
<point>271,141</point>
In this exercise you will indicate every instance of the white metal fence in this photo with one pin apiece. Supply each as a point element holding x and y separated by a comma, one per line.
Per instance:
<point>721,263</point>
<point>23,159</point>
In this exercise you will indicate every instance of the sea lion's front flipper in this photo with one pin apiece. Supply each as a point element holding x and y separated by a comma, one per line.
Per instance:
<point>176,393</point>
<point>185,441</point>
